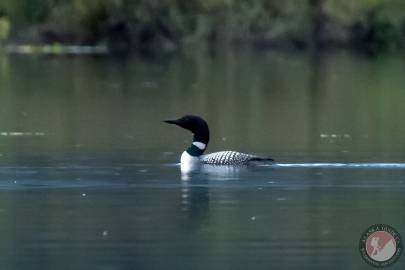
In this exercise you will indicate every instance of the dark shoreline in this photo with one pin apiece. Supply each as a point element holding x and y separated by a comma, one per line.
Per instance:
<point>150,26</point>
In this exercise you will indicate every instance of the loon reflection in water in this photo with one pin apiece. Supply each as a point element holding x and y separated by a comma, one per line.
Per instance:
<point>193,157</point>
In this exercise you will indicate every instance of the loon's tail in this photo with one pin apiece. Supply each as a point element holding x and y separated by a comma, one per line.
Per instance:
<point>261,159</point>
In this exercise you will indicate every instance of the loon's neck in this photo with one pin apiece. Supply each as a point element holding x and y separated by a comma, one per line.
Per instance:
<point>190,159</point>
<point>196,149</point>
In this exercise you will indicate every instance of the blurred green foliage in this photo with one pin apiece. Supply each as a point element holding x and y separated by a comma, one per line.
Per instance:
<point>375,24</point>
<point>4,28</point>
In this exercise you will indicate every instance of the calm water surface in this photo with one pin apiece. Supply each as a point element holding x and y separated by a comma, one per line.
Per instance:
<point>89,176</point>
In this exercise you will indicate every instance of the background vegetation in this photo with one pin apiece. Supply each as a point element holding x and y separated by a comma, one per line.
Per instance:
<point>168,24</point>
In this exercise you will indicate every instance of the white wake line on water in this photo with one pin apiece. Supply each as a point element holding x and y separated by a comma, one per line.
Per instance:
<point>20,134</point>
<point>339,165</point>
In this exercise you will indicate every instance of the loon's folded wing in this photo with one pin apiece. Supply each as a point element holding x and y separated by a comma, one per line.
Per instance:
<point>230,158</point>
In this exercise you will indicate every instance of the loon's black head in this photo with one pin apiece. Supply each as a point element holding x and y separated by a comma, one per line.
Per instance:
<point>196,125</point>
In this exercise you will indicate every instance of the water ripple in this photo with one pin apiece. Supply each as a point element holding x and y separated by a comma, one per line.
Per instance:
<point>339,165</point>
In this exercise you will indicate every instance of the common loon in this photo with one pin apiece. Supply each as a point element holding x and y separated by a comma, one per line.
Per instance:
<point>193,155</point>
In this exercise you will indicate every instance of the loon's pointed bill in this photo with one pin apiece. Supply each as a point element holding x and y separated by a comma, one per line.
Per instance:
<point>171,121</point>
<point>194,154</point>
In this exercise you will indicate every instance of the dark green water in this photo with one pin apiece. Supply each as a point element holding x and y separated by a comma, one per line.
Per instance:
<point>89,176</point>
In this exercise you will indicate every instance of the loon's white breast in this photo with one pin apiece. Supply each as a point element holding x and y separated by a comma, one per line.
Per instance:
<point>191,163</point>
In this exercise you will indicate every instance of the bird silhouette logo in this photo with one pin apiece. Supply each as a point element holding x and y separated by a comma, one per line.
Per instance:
<point>380,245</point>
